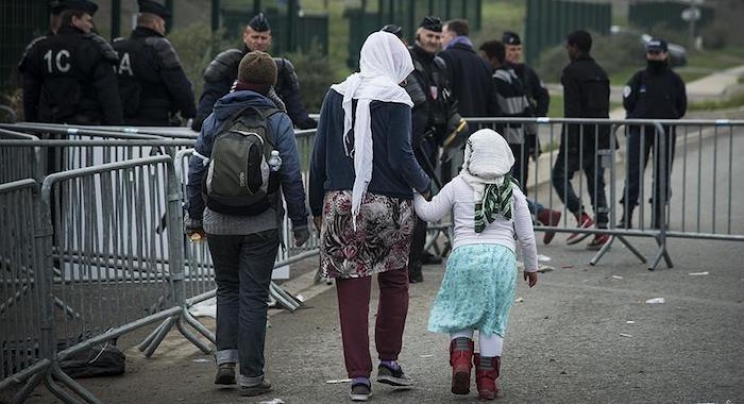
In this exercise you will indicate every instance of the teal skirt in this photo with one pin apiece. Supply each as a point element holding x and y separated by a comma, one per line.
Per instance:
<point>477,291</point>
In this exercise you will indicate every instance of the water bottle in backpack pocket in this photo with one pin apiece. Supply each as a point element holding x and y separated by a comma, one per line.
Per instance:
<point>240,180</point>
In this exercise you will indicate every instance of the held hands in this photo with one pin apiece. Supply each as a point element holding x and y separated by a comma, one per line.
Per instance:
<point>301,235</point>
<point>318,222</point>
<point>530,278</point>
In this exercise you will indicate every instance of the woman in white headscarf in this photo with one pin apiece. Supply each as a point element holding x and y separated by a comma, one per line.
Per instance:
<point>361,178</point>
<point>478,286</point>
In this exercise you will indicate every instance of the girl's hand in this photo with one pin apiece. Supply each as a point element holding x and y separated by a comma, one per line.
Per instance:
<point>530,278</point>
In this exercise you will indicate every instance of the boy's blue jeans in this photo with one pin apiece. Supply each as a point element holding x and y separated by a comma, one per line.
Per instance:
<point>243,266</point>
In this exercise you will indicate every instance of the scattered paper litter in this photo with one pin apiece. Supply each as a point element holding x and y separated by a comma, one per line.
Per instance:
<point>616,277</point>
<point>656,300</point>
<point>338,381</point>
<point>202,360</point>
<point>519,300</point>
<point>541,257</point>
<point>626,335</point>
<point>630,322</point>
<point>274,401</point>
<point>426,356</point>
<point>300,298</point>
<point>542,268</point>
<point>699,273</point>
<point>567,266</point>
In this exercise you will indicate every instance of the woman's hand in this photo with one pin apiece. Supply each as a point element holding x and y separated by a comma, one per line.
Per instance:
<point>530,278</point>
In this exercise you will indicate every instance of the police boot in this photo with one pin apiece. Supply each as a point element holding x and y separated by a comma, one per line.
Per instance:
<point>461,360</point>
<point>626,220</point>
<point>486,372</point>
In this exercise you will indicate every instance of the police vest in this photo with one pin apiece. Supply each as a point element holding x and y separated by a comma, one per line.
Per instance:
<point>140,85</point>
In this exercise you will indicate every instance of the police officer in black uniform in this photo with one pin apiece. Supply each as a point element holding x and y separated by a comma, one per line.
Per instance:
<point>434,117</point>
<point>535,90</point>
<point>221,73</point>
<point>152,84</point>
<point>69,77</point>
<point>655,92</point>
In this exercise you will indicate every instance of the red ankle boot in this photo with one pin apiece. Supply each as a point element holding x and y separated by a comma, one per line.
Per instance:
<point>485,378</point>
<point>462,363</point>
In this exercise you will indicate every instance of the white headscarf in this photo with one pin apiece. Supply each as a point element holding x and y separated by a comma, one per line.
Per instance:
<point>384,62</point>
<point>487,159</point>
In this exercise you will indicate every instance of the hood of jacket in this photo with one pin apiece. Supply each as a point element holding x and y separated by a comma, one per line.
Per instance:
<point>233,102</point>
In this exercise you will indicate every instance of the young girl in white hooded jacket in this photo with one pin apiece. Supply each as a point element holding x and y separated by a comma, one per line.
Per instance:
<point>477,292</point>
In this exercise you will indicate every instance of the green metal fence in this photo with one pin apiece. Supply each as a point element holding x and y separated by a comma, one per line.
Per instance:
<point>651,15</point>
<point>20,22</point>
<point>549,21</point>
<point>406,13</point>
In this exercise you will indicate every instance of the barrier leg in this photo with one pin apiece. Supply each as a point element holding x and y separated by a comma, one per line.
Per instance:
<point>192,338</point>
<point>57,372</point>
<point>30,385</point>
<point>158,336</point>
<point>605,248</point>
<point>148,340</point>
<point>199,327</point>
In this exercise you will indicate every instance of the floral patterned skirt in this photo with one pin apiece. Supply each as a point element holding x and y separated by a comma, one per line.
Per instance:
<point>380,243</point>
<point>477,290</point>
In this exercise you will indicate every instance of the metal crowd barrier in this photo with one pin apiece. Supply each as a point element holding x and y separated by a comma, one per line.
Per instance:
<point>103,236</point>
<point>702,182</point>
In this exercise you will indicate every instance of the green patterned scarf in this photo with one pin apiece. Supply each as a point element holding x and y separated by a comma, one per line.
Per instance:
<point>496,201</point>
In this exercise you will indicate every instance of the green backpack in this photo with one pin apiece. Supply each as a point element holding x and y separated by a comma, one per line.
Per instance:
<point>239,180</point>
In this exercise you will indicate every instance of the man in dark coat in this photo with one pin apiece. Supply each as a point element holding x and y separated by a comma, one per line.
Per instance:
<point>586,94</point>
<point>152,83</point>
<point>469,77</point>
<point>69,77</point>
<point>655,92</point>
<point>220,75</point>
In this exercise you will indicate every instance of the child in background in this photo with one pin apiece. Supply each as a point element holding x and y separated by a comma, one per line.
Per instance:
<point>477,291</point>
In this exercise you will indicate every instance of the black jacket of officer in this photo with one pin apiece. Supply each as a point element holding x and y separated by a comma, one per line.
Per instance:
<point>221,73</point>
<point>655,92</point>
<point>69,77</point>
<point>152,83</point>
<point>469,76</point>
<point>434,113</point>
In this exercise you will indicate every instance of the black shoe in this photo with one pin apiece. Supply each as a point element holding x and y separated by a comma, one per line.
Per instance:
<point>428,258</point>
<point>414,273</point>
<point>225,374</point>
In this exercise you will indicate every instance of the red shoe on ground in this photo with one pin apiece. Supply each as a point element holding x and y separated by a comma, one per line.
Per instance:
<point>548,217</point>
<point>585,222</point>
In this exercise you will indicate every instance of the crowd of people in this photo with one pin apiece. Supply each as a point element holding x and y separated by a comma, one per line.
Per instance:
<point>392,153</point>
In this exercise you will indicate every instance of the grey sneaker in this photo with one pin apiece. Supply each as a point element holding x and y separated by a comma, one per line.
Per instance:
<point>393,377</point>
<point>250,391</point>
<point>225,374</point>
<point>360,392</point>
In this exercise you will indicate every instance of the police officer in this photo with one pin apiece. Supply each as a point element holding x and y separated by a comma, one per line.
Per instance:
<point>220,75</point>
<point>655,92</point>
<point>434,116</point>
<point>152,84</point>
<point>55,10</point>
<point>535,90</point>
<point>69,77</point>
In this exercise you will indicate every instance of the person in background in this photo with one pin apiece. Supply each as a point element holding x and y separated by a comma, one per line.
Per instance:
<point>70,77</point>
<point>469,77</point>
<point>513,103</point>
<point>656,92</point>
<point>220,75</point>
<point>152,84</point>
<point>586,94</point>
<point>362,173</point>
<point>477,292</point>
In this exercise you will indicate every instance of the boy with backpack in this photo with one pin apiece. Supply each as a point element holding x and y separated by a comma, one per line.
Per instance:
<point>237,173</point>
